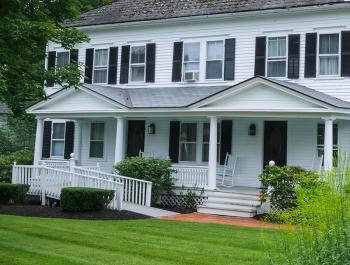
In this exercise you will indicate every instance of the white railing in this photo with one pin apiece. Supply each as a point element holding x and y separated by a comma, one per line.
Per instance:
<point>189,176</point>
<point>136,191</point>
<point>57,164</point>
<point>48,182</point>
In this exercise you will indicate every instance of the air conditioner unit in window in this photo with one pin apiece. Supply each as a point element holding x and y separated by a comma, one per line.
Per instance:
<point>191,76</point>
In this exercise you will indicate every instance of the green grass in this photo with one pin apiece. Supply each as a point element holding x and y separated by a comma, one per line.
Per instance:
<point>25,240</point>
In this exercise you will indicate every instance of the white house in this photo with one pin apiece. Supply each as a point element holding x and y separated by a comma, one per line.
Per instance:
<point>195,80</point>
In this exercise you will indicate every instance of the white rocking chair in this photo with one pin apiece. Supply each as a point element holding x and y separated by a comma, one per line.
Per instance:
<point>229,170</point>
<point>317,162</point>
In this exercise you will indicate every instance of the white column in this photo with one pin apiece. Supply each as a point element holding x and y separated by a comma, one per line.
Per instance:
<point>212,152</point>
<point>77,141</point>
<point>38,140</point>
<point>328,143</point>
<point>119,141</point>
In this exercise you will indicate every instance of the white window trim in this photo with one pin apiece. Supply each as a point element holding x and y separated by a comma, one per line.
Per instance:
<point>318,75</point>
<point>138,64</point>
<point>100,67</point>
<point>195,142</point>
<point>267,56</point>
<point>223,60</point>
<point>104,142</point>
<point>52,140</point>
<point>183,61</point>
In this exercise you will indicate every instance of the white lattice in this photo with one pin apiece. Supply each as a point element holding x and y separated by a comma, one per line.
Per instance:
<point>174,200</point>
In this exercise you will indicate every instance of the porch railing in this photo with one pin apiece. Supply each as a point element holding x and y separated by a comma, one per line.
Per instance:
<point>57,164</point>
<point>189,176</point>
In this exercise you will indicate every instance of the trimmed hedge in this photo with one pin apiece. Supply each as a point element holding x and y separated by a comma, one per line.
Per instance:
<point>75,199</point>
<point>16,193</point>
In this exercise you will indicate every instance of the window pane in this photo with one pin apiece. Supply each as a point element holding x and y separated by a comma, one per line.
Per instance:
<point>101,57</point>
<point>214,70</point>
<point>100,76</point>
<point>96,149</point>
<point>191,52</point>
<point>191,67</point>
<point>62,58</point>
<point>97,131</point>
<point>58,131</point>
<point>206,132</point>
<point>138,54</point>
<point>276,69</point>
<point>137,73</point>
<point>329,65</point>
<point>57,148</point>
<point>205,155</point>
<point>188,132</point>
<point>215,50</point>
<point>277,47</point>
<point>188,152</point>
<point>329,44</point>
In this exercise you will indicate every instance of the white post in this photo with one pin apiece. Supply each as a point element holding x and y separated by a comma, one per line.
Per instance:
<point>38,141</point>
<point>119,140</point>
<point>42,176</point>
<point>72,162</point>
<point>328,143</point>
<point>77,140</point>
<point>212,152</point>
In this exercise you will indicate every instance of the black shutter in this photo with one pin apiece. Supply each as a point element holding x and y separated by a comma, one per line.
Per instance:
<point>74,56</point>
<point>345,53</point>
<point>69,139</point>
<point>230,54</point>
<point>51,63</point>
<point>112,65</point>
<point>293,56</point>
<point>174,137</point>
<point>177,62</point>
<point>150,62</point>
<point>260,56</point>
<point>124,68</point>
<point>310,55</point>
<point>46,151</point>
<point>89,61</point>
<point>226,139</point>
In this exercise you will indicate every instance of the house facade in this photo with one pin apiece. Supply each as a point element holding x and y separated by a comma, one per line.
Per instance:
<point>193,81</point>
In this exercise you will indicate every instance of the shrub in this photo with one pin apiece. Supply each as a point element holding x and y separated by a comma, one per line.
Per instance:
<point>16,193</point>
<point>74,199</point>
<point>279,183</point>
<point>22,157</point>
<point>151,169</point>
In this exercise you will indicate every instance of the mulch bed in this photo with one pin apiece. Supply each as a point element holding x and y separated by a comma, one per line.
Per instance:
<point>56,212</point>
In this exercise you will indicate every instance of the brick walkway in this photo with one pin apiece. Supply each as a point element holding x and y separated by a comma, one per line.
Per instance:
<point>218,219</point>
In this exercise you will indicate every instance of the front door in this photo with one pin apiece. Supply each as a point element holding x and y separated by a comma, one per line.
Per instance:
<point>275,142</point>
<point>136,138</point>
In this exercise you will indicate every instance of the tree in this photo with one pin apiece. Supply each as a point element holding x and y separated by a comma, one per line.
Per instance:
<point>26,27</point>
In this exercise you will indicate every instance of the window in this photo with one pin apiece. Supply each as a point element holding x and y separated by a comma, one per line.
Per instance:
<point>215,58</point>
<point>277,57</point>
<point>188,143</point>
<point>62,59</point>
<point>320,140</point>
<point>137,64</point>
<point>57,139</point>
<point>100,66</point>
<point>191,61</point>
<point>206,135</point>
<point>97,133</point>
<point>329,54</point>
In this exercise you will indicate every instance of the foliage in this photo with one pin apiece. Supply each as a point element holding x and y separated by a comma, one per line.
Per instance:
<point>151,169</point>
<point>16,193</point>
<point>280,183</point>
<point>74,199</point>
<point>26,27</point>
<point>23,157</point>
<point>190,198</point>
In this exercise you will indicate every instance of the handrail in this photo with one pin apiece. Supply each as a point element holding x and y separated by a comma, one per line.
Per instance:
<point>189,176</point>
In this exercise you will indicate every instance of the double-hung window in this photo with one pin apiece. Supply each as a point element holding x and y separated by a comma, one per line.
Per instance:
<point>62,58</point>
<point>100,66</point>
<point>57,139</point>
<point>137,63</point>
<point>97,135</point>
<point>329,54</point>
<point>277,57</point>
<point>191,61</point>
<point>188,141</point>
<point>206,136</point>
<point>320,140</point>
<point>215,59</point>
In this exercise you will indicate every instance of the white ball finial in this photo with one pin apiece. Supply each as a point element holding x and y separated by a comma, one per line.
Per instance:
<point>72,155</point>
<point>272,163</point>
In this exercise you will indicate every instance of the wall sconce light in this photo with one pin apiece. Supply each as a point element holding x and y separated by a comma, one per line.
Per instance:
<point>151,129</point>
<point>252,129</point>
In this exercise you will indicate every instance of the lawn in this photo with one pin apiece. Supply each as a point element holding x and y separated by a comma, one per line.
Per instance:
<point>27,240</point>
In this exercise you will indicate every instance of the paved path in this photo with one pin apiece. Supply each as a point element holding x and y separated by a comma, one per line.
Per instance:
<point>149,211</point>
<point>218,219</point>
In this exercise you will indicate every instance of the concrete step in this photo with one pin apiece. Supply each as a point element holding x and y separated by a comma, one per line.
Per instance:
<point>228,195</point>
<point>230,201</point>
<point>215,211</point>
